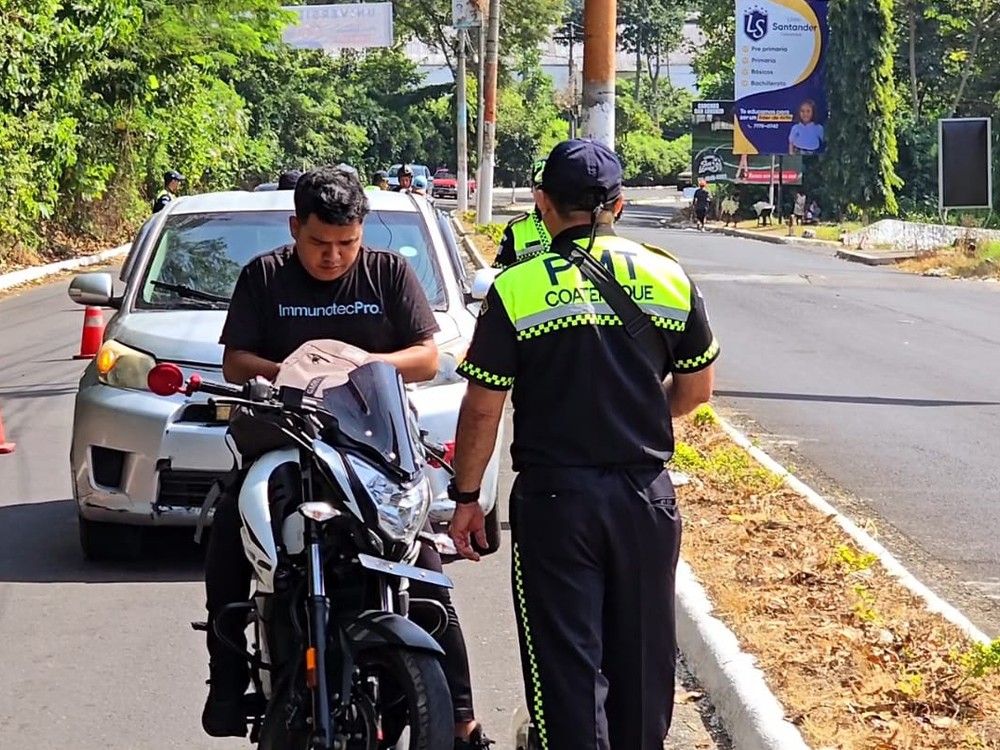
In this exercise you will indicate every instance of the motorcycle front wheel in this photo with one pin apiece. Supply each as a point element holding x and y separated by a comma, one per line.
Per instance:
<point>414,706</point>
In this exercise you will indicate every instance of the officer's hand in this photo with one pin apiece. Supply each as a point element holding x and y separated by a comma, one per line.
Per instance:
<point>468,520</point>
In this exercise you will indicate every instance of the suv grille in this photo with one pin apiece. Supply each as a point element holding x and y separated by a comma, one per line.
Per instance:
<point>184,489</point>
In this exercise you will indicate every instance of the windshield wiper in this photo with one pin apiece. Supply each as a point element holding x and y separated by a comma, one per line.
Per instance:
<point>189,293</point>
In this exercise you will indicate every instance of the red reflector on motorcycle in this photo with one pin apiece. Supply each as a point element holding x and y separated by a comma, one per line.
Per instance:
<point>165,379</point>
<point>449,456</point>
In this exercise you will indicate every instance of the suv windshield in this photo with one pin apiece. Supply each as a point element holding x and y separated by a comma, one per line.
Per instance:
<point>198,257</point>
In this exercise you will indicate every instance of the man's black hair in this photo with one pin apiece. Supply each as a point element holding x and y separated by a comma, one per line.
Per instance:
<point>332,195</point>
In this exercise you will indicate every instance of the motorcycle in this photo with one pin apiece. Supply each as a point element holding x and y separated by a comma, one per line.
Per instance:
<point>332,505</point>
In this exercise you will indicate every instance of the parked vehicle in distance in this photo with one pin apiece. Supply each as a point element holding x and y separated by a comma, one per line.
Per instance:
<point>446,184</point>
<point>418,170</point>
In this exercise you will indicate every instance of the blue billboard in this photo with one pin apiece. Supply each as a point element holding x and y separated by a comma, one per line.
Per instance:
<point>780,93</point>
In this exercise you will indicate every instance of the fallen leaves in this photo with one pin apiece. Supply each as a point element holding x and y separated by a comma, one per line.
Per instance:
<point>857,660</point>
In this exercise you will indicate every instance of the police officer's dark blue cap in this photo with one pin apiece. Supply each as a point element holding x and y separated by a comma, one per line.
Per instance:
<point>172,175</point>
<point>583,167</point>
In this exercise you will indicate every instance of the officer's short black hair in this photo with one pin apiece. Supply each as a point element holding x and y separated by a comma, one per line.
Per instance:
<point>332,195</point>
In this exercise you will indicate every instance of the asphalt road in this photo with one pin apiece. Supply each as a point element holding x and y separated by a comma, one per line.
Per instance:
<point>101,657</point>
<point>881,384</point>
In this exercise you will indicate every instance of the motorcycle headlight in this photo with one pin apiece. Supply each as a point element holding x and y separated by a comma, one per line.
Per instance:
<point>402,510</point>
<point>123,367</point>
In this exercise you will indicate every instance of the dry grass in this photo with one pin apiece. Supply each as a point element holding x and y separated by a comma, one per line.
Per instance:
<point>827,232</point>
<point>857,660</point>
<point>980,261</point>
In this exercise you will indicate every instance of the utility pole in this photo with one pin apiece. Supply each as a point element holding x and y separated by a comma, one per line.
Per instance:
<point>485,186</point>
<point>570,38</point>
<point>599,48</point>
<point>463,127</point>
<point>480,101</point>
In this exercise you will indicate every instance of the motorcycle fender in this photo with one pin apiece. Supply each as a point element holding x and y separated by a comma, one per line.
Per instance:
<point>375,629</point>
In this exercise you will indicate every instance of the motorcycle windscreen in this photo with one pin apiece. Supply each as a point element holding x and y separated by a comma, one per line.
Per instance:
<point>372,408</point>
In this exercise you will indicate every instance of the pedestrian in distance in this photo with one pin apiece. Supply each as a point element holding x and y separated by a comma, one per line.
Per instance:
<point>171,185</point>
<point>597,370</point>
<point>701,201</point>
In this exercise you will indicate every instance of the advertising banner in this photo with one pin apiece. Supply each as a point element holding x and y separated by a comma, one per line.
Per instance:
<point>712,157</point>
<point>347,26</point>
<point>780,93</point>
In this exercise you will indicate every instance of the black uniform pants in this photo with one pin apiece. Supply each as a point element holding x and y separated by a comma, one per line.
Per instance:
<point>594,557</point>
<point>227,580</point>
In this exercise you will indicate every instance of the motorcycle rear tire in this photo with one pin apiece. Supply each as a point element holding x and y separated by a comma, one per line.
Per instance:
<point>429,714</point>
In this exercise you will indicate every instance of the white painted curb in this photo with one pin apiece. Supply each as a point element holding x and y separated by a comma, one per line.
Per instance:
<point>752,716</point>
<point>934,603</point>
<point>14,278</point>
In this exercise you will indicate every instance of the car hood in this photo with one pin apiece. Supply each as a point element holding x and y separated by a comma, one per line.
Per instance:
<point>192,336</point>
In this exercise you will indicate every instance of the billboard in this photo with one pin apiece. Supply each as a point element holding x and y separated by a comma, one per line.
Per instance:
<point>780,92</point>
<point>347,26</point>
<point>712,157</point>
<point>466,14</point>
<point>965,163</point>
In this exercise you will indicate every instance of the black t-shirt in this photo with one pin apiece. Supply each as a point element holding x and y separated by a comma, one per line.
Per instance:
<point>701,199</point>
<point>378,306</point>
<point>583,393</point>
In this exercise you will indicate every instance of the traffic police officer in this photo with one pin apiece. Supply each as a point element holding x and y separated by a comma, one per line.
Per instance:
<point>525,235</point>
<point>594,519</point>
<point>171,184</point>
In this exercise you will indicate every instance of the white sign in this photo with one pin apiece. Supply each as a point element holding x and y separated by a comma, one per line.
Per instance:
<point>466,14</point>
<point>347,26</point>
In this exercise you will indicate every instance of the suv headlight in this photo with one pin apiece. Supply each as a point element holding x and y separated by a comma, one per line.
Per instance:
<point>123,367</point>
<point>402,510</point>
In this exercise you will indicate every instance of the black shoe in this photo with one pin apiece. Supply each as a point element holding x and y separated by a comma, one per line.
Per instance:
<point>476,741</point>
<point>225,713</point>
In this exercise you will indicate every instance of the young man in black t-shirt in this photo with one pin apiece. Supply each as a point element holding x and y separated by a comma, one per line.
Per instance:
<point>324,286</point>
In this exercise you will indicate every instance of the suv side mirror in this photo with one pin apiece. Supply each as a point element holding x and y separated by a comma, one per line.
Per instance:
<point>482,280</point>
<point>93,290</point>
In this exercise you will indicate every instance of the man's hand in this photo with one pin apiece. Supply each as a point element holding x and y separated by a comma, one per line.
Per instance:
<point>467,522</point>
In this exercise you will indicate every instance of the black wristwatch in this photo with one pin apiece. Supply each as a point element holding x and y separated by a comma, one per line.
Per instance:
<point>461,498</point>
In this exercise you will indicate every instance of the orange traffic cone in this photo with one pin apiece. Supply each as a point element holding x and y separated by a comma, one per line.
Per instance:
<point>5,447</point>
<point>93,333</point>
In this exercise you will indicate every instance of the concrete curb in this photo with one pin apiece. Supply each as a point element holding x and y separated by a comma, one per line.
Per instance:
<point>934,603</point>
<point>25,275</point>
<point>470,249</point>
<point>751,714</point>
<point>875,259</point>
<point>772,239</point>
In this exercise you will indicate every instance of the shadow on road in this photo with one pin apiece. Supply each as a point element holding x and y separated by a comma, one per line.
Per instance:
<point>866,400</point>
<point>649,217</point>
<point>39,544</point>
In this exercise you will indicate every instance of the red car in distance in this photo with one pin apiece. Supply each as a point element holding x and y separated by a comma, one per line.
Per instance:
<point>446,184</point>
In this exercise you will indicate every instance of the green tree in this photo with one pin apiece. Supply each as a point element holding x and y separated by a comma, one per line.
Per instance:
<point>714,60</point>
<point>651,30</point>
<point>860,169</point>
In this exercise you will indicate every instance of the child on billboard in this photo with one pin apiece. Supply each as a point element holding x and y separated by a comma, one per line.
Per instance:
<point>806,136</point>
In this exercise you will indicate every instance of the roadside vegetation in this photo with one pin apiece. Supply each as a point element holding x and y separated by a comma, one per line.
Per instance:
<point>856,659</point>
<point>966,260</point>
